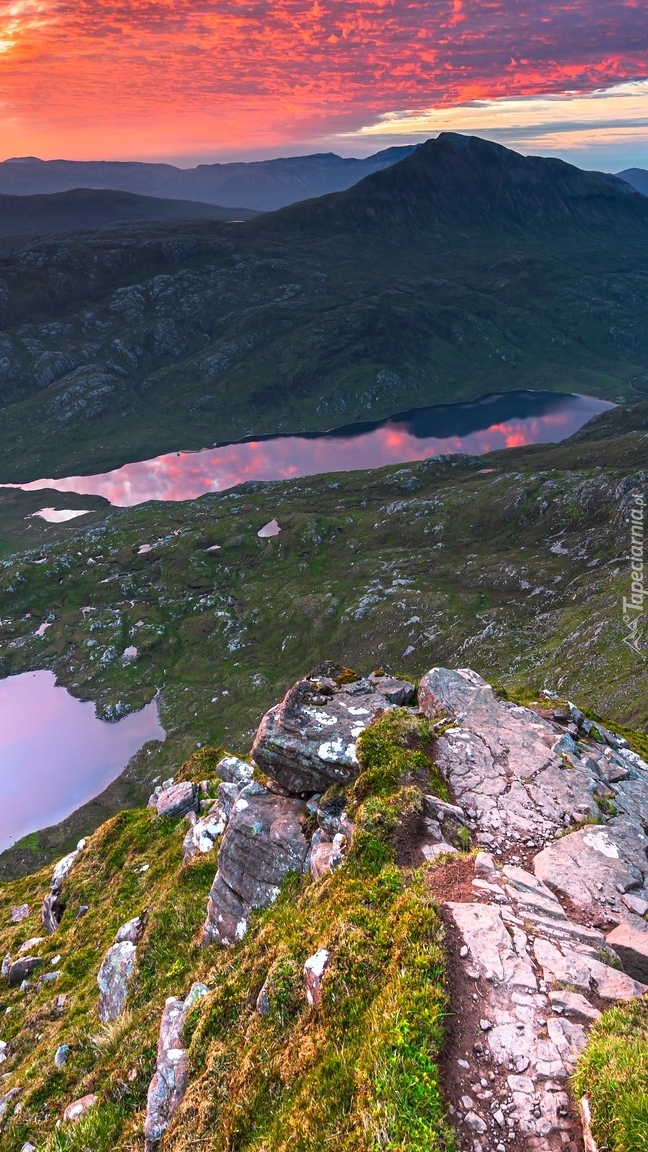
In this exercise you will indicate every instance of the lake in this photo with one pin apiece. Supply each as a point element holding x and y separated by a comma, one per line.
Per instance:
<point>55,754</point>
<point>498,420</point>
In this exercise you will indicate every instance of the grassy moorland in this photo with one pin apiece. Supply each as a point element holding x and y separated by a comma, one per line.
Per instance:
<point>518,572</point>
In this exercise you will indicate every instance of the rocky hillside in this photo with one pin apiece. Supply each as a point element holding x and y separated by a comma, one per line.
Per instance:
<point>413,918</point>
<point>519,571</point>
<point>463,269</point>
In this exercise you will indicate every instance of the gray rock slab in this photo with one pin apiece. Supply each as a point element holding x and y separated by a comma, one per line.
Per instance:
<point>169,1083</point>
<point>178,800</point>
<point>490,945</point>
<point>563,965</point>
<point>264,840</point>
<point>21,969</point>
<point>227,915</point>
<point>19,913</point>
<point>308,741</point>
<point>515,773</point>
<point>114,974</point>
<point>590,866</point>
<point>630,942</point>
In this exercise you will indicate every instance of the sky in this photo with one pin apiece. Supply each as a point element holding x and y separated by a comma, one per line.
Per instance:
<point>190,81</point>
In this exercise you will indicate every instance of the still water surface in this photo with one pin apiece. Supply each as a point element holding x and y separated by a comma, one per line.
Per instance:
<point>55,754</point>
<point>499,420</point>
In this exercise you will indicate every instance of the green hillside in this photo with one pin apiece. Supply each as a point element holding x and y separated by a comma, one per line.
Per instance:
<point>463,269</point>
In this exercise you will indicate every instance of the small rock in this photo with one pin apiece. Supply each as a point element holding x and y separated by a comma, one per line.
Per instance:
<point>21,969</point>
<point>234,771</point>
<point>133,929</point>
<point>77,1109</point>
<point>485,867</point>
<point>28,1147</point>
<point>83,908</point>
<point>31,943</point>
<point>485,1025</point>
<point>6,965</point>
<point>635,903</point>
<point>314,972</point>
<point>178,800</point>
<point>20,912</point>
<point>463,951</point>
<point>398,692</point>
<point>475,1122</point>
<point>573,1004</point>
<point>61,1055</point>
<point>115,972</point>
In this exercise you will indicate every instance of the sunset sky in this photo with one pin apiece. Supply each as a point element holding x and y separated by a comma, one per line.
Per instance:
<point>193,81</point>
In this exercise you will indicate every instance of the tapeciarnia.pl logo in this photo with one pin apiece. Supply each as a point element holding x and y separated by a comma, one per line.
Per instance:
<point>633,606</point>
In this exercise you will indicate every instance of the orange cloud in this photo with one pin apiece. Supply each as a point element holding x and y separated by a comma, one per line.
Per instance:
<point>120,78</point>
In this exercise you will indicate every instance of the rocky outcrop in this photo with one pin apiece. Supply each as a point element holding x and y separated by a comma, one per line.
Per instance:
<point>542,943</point>
<point>304,745</point>
<point>169,1083</point>
<point>264,841</point>
<point>308,741</point>
<point>53,905</point>
<point>19,913</point>
<point>117,968</point>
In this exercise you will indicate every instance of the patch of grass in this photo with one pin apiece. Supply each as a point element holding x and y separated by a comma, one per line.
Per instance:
<point>613,1074</point>
<point>362,1071</point>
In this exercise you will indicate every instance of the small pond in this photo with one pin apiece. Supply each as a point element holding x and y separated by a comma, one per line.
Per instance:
<point>55,754</point>
<point>499,420</point>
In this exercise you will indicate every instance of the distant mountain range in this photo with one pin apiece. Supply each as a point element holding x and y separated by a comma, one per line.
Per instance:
<point>463,269</point>
<point>637,178</point>
<point>262,185</point>
<point>90,208</point>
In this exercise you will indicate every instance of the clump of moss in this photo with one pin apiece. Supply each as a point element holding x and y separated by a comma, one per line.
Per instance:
<point>613,1074</point>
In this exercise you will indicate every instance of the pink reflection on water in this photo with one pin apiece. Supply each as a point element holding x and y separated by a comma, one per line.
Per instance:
<point>186,475</point>
<point>55,754</point>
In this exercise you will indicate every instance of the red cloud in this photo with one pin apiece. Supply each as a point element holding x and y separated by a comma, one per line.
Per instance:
<point>252,71</point>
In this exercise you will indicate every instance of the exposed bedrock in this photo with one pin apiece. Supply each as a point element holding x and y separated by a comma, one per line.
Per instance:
<point>545,943</point>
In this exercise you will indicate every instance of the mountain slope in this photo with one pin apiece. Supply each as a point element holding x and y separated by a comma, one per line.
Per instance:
<point>263,185</point>
<point>637,178</point>
<point>462,269</point>
<point>84,208</point>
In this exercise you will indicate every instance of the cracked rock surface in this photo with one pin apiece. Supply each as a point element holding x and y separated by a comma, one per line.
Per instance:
<point>539,949</point>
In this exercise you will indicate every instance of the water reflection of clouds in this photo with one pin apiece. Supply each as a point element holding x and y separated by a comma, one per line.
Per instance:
<point>186,475</point>
<point>55,754</point>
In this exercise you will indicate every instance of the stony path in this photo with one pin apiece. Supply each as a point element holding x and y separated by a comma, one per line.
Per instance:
<point>531,973</point>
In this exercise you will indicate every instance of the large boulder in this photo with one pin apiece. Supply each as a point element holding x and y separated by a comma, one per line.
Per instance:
<point>114,974</point>
<point>264,840</point>
<point>178,800</point>
<point>630,942</point>
<point>594,866</point>
<point>22,969</point>
<point>308,741</point>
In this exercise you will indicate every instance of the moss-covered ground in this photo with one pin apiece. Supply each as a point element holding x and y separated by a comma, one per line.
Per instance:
<point>362,1072</point>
